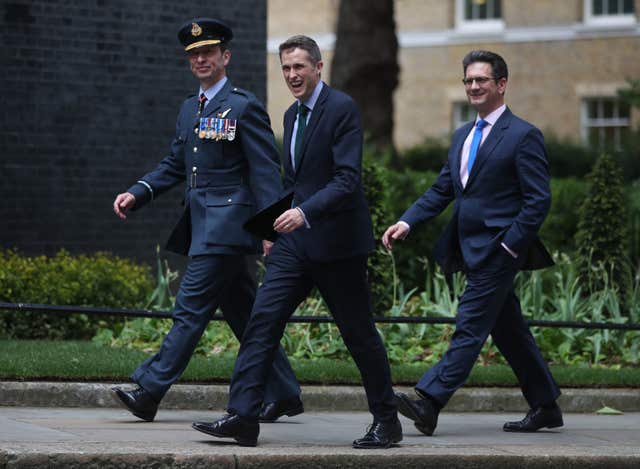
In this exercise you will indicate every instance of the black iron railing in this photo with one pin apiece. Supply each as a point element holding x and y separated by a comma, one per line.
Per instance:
<point>131,313</point>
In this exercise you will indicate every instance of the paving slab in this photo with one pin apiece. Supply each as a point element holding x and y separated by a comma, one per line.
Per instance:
<point>112,438</point>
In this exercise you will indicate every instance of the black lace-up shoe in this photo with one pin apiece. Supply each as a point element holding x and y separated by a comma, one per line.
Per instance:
<point>231,426</point>
<point>380,435</point>
<point>540,417</point>
<point>139,402</point>
<point>272,411</point>
<point>424,412</point>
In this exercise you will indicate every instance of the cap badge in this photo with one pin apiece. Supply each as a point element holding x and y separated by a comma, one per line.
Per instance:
<point>196,30</point>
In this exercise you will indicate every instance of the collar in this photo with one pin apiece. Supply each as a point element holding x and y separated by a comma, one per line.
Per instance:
<point>213,90</point>
<point>313,99</point>
<point>493,116</point>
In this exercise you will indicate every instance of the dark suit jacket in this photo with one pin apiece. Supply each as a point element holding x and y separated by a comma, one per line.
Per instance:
<point>506,199</point>
<point>233,178</point>
<point>327,185</point>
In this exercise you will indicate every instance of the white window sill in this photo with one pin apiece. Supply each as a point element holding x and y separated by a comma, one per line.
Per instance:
<point>480,27</point>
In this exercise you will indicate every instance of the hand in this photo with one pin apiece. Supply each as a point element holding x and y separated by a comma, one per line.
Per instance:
<point>393,233</point>
<point>123,202</point>
<point>289,221</point>
<point>266,247</point>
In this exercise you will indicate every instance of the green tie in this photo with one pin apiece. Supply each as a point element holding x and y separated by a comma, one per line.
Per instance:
<point>302,125</point>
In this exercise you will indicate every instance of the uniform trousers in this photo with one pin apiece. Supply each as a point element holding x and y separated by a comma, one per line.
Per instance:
<point>211,281</point>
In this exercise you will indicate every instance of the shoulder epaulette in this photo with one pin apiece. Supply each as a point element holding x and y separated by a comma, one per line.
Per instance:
<point>240,91</point>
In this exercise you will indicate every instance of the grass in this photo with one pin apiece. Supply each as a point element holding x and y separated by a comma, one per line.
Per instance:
<point>73,360</point>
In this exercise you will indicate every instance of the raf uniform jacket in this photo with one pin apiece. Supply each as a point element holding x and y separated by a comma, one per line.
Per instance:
<point>327,183</point>
<point>226,181</point>
<point>505,200</point>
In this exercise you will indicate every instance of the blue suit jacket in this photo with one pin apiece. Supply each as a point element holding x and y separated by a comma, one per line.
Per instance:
<point>506,199</point>
<point>327,184</point>
<point>232,179</point>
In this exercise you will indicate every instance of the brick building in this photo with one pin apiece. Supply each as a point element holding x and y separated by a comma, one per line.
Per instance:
<point>567,59</point>
<point>90,93</point>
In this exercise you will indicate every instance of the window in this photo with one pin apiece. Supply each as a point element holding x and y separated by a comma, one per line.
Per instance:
<point>479,16</point>
<point>611,7</point>
<point>462,113</point>
<point>609,12</point>
<point>605,122</point>
<point>482,9</point>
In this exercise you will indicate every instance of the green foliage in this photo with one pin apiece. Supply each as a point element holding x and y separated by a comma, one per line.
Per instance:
<point>559,228</point>
<point>376,188</point>
<point>430,155</point>
<point>161,298</point>
<point>602,236</point>
<point>96,280</point>
<point>555,294</point>
<point>568,158</point>
<point>30,359</point>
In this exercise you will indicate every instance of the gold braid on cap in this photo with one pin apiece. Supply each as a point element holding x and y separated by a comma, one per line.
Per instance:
<point>208,42</point>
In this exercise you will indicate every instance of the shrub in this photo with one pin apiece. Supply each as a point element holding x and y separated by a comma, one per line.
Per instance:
<point>559,228</point>
<point>97,280</point>
<point>602,236</point>
<point>430,155</point>
<point>376,188</point>
<point>405,187</point>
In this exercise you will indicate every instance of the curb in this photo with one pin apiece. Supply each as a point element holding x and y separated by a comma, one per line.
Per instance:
<point>316,398</point>
<point>313,461</point>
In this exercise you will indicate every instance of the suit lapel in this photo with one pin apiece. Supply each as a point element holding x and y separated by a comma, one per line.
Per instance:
<point>457,152</point>
<point>316,114</point>
<point>492,140</point>
<point>289,119</point>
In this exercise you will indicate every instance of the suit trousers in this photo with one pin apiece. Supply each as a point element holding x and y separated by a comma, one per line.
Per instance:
<point>489,305</point>
<point>288,281</point>
<point>210,281</point>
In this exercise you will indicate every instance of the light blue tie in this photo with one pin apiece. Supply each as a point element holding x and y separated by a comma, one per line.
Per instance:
<point>475,143</point>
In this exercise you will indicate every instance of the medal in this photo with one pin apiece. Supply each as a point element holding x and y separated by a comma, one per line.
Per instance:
<point>202,133</point>
<point>209,131</point>
<point>231,134</point>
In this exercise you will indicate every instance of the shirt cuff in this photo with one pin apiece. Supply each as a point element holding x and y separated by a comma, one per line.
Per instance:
<point>513,254</point>
<point>405,224</point>
<point>304,217</point>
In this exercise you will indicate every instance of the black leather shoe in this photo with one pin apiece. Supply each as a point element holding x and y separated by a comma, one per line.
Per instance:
<point>380,435</point>
<point>536,419</point>
<point>139,402</point>
<point>231,426</point>
<point>423,412</point>
<point>272,411</point>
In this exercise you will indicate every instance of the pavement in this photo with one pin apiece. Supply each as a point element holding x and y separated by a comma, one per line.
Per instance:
<point>45,433</point>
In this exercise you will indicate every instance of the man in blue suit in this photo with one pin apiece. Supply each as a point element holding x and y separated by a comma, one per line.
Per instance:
<point>224,154</point>
<point>324,241</point>
<point>497,176</point>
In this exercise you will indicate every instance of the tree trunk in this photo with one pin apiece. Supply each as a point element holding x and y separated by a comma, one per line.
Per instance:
<point>365,66</point>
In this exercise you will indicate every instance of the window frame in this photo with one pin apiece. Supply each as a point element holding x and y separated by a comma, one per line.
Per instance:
<point>457,120</point>
<point>587,122</point>
<point>465,25</point>
<point>619,20</point>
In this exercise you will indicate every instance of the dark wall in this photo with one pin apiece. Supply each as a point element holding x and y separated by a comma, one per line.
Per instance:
<point>90,93</point>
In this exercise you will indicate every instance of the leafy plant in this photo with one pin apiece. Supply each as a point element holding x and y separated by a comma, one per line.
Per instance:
<point>602,236</point>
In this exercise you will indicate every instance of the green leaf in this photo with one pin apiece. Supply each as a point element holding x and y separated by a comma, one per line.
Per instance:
<point>609,411</point>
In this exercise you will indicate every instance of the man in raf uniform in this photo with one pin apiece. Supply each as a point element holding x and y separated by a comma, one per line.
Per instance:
<point>225,151</point>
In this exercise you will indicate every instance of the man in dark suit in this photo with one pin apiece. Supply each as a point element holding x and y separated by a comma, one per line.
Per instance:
<point>225,152</point>
<point>497,176</point>
<point>324,242</point>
